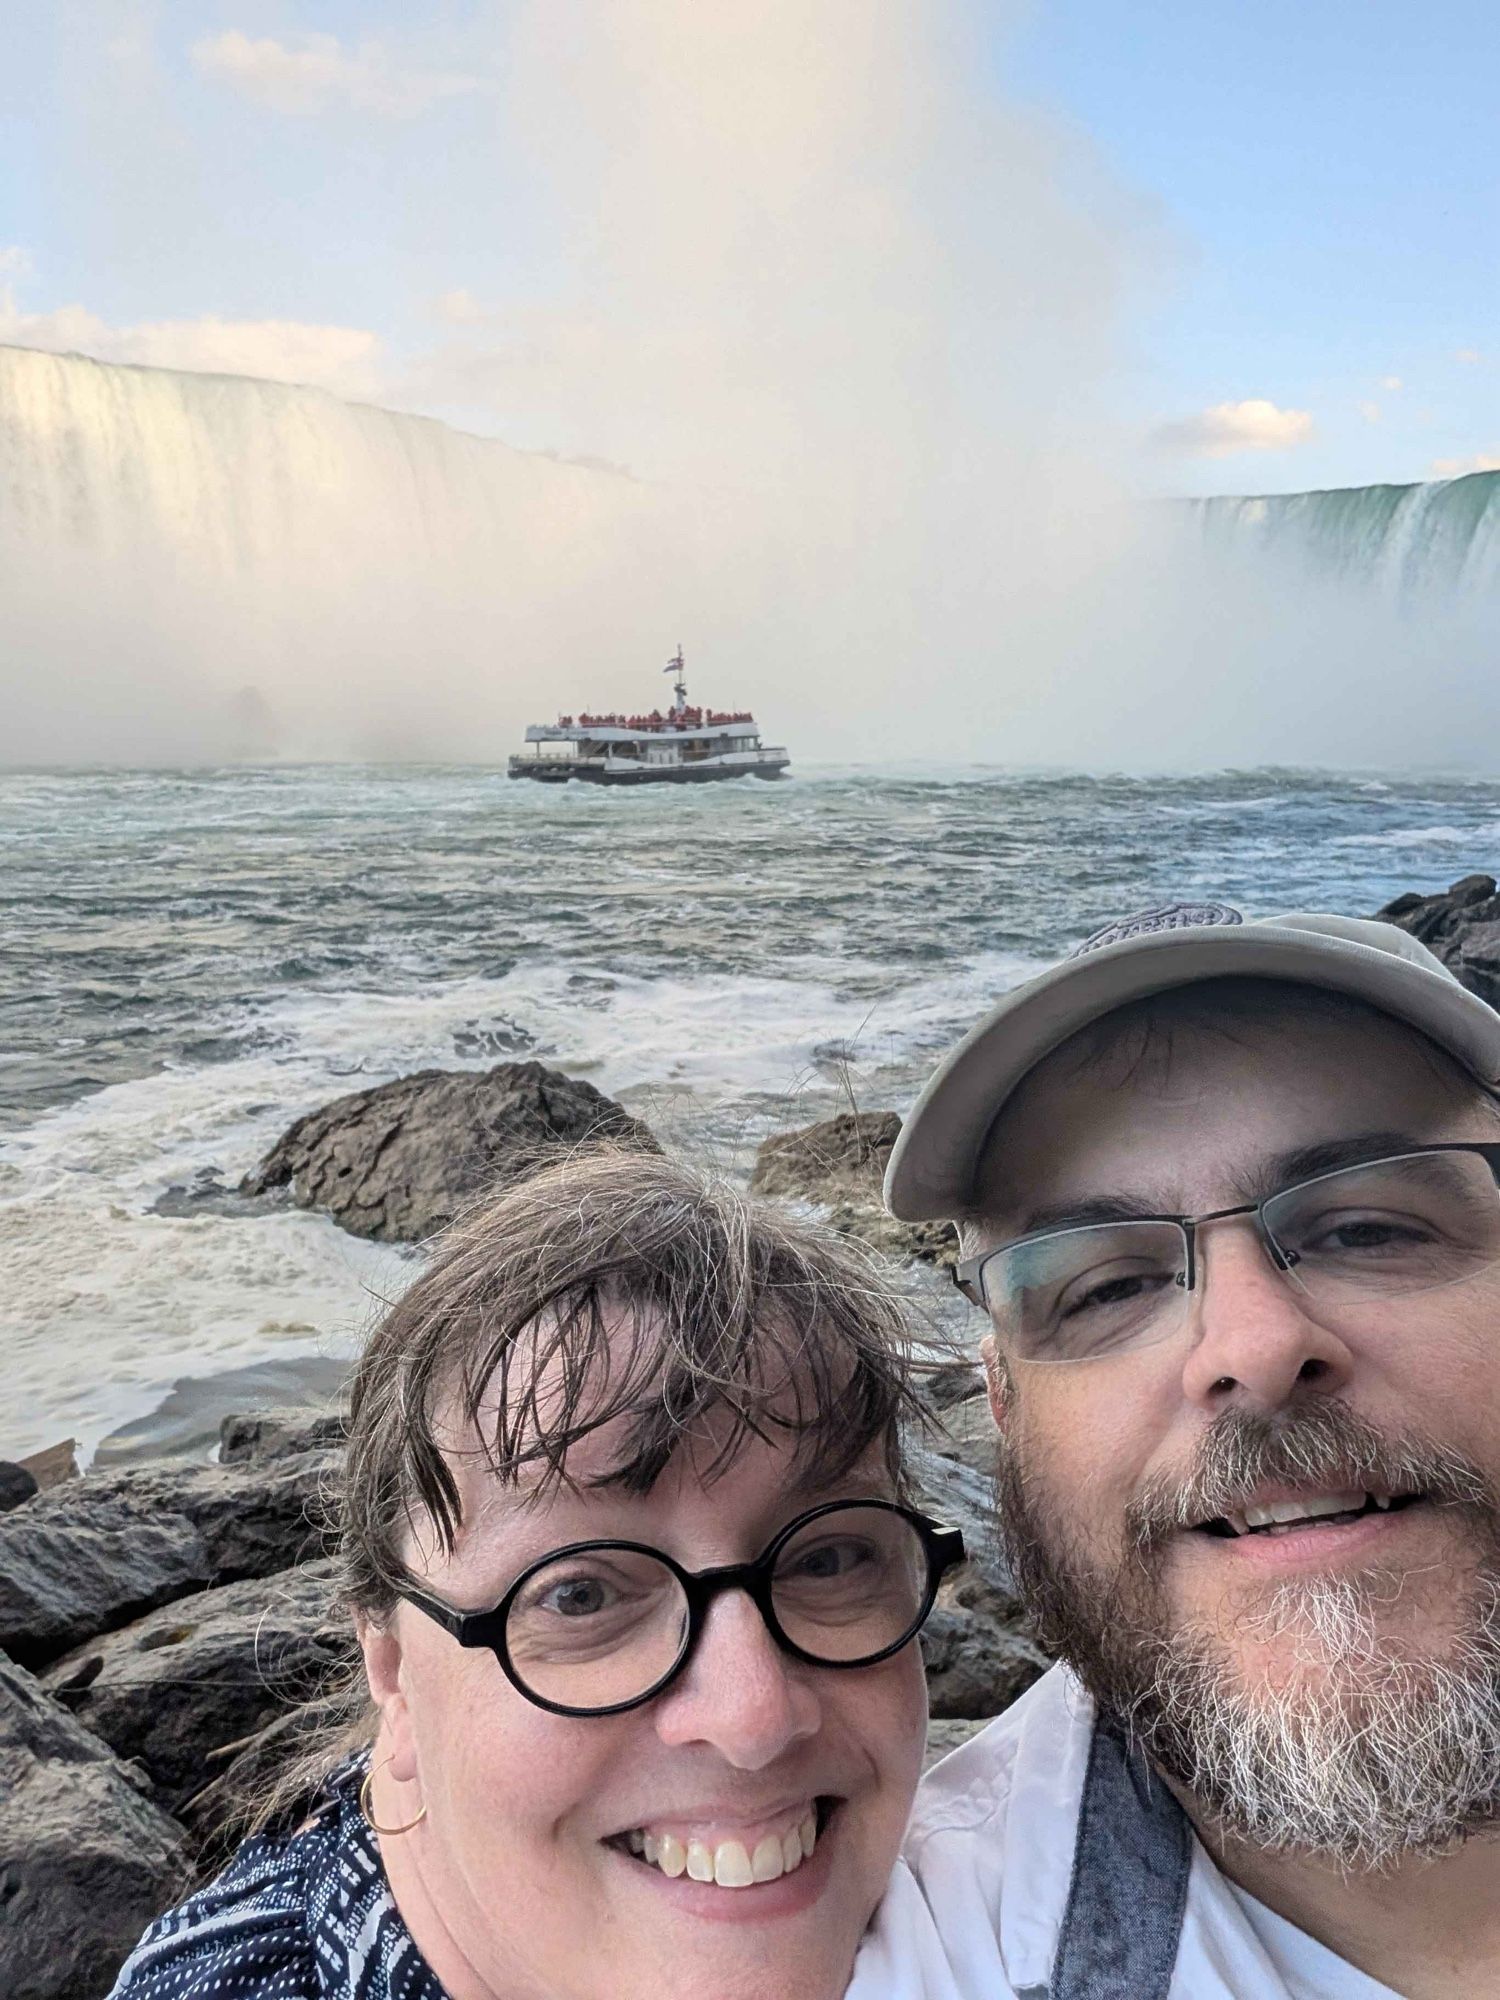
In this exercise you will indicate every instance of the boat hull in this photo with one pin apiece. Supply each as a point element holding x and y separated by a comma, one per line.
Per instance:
<point>558,771</point>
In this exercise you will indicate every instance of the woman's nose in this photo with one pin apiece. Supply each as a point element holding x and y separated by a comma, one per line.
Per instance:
<point>1257,1344</point>
<point>739,1692</point>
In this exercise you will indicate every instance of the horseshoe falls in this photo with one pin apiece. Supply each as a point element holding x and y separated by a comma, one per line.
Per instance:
<point>1402,542</point>
<point>267,568</point>
<point>203,569</point>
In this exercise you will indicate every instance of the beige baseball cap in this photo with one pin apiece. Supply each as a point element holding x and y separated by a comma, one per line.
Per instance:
<point>934,1162</point>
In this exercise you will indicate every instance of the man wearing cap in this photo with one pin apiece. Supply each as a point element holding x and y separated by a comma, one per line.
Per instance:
<point>1229,1193</point>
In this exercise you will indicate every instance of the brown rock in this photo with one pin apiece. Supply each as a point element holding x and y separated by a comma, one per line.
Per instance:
<point>839,1164</point>
<point>398,1162</point>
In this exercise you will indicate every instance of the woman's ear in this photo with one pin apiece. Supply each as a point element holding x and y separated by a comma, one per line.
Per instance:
<point>383,1671</point>
<point>995,1380</point>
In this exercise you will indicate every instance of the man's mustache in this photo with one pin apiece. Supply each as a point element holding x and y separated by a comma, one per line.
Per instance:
<point>1319,1443</point>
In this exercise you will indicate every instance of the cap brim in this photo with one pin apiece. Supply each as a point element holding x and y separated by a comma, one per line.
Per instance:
<point>934,1162</point>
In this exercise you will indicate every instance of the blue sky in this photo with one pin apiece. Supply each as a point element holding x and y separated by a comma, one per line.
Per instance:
<point>1330,181</point>
<point>1307,196</point>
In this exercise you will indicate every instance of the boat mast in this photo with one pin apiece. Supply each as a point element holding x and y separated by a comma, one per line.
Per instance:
<point>679,685</point>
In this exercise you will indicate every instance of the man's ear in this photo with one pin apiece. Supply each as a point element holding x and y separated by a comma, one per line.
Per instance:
<point>383,1663</point>
<point>995,1380</point>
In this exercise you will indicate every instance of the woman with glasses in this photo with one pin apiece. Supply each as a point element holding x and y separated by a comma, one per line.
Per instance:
<point>625,1544</point>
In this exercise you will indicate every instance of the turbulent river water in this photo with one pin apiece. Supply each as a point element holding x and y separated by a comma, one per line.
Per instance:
<point>191,959</point>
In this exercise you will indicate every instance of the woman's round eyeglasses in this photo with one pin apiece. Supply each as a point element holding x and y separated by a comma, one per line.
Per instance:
<point>600,1627</point>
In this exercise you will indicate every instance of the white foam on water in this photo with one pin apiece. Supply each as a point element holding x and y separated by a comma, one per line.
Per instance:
<point>108,1304</point>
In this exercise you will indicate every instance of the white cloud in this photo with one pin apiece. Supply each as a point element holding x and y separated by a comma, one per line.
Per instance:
<point>460,308</point>
<point>1455,468</point>
<point>317,74</point>
<point>1253,425</point>
<point>1391,382</point>
<point>1469,355</point>
<point>1370,412</point>
<point>345,359</point>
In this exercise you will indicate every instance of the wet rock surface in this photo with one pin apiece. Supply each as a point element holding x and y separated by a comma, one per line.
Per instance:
<point>179,1689</point>
<point>88,1557</point>
<point>1461,925</point>
<point>398,1162</point>
<point>839,1164</point>
<point>87,1859</point>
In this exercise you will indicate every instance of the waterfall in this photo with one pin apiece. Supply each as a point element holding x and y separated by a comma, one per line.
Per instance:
<point>1441,538</point>
<point>259,560</point>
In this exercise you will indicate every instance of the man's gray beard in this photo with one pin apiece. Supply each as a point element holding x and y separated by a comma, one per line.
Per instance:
<point>1363,1755</point>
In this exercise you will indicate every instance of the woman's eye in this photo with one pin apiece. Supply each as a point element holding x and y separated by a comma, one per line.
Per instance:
<point>578,1597</point>
<point>828,1560</point>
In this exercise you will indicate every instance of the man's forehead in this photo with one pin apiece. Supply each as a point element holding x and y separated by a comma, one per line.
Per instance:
<point>1216,1117</point>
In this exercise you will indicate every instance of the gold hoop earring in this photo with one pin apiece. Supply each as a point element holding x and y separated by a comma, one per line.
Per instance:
<point>367,1810</point>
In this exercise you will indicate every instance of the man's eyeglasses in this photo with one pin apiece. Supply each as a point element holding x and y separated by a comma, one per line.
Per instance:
<point>1386,1229</point>
<point>599,1627</point>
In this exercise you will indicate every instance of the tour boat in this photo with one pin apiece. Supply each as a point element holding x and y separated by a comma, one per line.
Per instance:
<point>684,746</point>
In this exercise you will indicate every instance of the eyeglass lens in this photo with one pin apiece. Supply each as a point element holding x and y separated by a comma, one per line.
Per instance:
<point>602,1625</point>
<point>1384,1230</point>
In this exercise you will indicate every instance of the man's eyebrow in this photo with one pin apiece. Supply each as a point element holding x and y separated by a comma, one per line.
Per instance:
<point>1306,1163</point>
<point>1079,1214</point>
<point>1299,1163</point>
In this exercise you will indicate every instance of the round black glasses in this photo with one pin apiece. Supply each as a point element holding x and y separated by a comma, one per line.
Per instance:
<point>599,1627</point>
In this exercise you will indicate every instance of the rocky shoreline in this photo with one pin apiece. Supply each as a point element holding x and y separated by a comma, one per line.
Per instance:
<point>159,1625</point>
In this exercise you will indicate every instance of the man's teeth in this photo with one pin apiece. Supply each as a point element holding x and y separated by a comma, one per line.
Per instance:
<point>729,1863</point>
<point>1314,1507</point>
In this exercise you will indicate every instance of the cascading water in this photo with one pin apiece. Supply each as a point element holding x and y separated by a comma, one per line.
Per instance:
<point>1441,538</point>
<point>267,568</point>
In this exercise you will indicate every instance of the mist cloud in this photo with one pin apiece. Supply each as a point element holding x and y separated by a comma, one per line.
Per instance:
<point>820,374</point>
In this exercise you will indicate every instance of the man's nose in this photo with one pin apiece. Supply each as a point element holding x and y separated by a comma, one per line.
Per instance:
<point>1257,1345</point>
<point>740,1692</point>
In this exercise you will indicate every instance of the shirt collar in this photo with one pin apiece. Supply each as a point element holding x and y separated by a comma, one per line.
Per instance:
<point>1041,1825</point>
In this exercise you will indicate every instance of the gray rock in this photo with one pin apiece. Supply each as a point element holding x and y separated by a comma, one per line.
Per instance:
<point>950,1733</point>
<point>952,1464</point>
<point>1461,925</point>
<point>177,1689</point>
<point>977,1651</point>
<point>86,1860</point>
<point>398,1162</point>
<point>90,1556</point>
<point>16,1485</point>
<point>268,1434</point>
<point>839,1164</point>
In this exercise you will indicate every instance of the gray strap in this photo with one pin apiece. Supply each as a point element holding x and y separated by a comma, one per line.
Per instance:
<point>1130,1880</point>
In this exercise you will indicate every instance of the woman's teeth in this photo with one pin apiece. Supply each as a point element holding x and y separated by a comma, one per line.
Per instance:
<point>729,1863</point>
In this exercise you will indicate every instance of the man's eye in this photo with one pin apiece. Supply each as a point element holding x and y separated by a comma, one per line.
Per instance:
<point>1124,1289</point>
<point>1350,1234</point>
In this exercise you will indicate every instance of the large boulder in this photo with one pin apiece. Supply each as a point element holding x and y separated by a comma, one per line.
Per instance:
<point>180,1688</point>
<point>86,1859</point>
<point>1462,926</point>
<point>838,1164</point>
<point>977,1650</point>
<point>398,1162</point>
<point>90,1556</point>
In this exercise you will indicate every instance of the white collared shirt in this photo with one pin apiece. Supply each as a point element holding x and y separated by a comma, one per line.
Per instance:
<point>975,1907</point>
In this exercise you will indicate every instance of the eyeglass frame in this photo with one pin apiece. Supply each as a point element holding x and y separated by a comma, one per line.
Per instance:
<point>966,1273</point>
<point>943,1547</point>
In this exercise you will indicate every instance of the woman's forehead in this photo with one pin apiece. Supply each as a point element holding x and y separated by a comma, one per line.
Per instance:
<point>545,1429</point>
